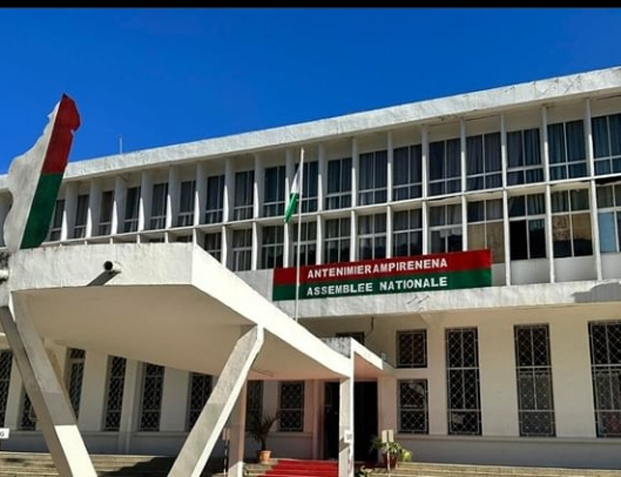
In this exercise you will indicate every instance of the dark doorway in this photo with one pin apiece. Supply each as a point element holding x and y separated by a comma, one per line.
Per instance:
<point>365,421</point>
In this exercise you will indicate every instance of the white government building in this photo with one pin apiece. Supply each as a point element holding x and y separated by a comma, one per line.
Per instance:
<point>525,371</point>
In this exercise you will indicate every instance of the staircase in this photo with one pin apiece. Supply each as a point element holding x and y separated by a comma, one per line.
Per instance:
<point>310,468</point>
<point>35,464</point>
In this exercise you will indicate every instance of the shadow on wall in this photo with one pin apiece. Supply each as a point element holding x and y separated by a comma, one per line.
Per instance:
<point>600,293</point>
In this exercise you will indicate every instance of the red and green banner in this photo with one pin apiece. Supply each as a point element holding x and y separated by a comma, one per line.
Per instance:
<point>448,271</point>
<point>34,179</point>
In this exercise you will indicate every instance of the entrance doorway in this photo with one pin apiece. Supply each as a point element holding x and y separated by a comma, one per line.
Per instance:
<point>365,421</point>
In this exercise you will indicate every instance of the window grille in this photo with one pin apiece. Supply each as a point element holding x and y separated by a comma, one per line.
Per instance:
<point>28,420</point>
<point>463,387</point>
<point>75,366</point>
<point>291,406</point>
<point>413,406</point>
<point>534,380</point>
<point>605,346</point>
<point>6,361</point>
<point>200,389</point>
<point>114,397</point>
<point>412,349</point>
<point>151,404</point>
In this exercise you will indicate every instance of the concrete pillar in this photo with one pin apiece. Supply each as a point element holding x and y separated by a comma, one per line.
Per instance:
<point>206,432</point>
<point>238,436</point>
<point>118,206</point>
<point>94,209</point>
<point>174,400</point>
<point>49,400</point>
<point>200,195</point>
<point>93,394</point>
<point>131,389</point>
<point>12,417</point>
<point>387,403</point>
<point>346,426</point>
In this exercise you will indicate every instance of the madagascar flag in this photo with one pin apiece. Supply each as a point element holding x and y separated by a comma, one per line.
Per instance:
<point>34,179</point>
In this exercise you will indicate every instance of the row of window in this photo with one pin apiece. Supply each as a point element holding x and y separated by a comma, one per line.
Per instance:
<point>568,159</point>
<point>533,377</point>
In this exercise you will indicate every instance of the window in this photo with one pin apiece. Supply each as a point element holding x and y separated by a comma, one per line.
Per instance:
<point>57,221</point>
<point>244,195</point>
<point>338,232</point>
<point>200,389</point>
<point>81,212</point>
<point>28,420</point>
<point>483,164</point>
<point>105,212</point>
<point>75,368</point>
<point>310,180</point>
<point>571,224</point>
<point>527,227</point>
<point>407,173</point>
<point>187,193</point>
<point>338,194</point>
<point>274,191</point>
<point>215,199</point>
<point>308,244</point>
<point>213,244</point>
<point>357,335</point>
<point>534,380</point>
<point>609,217</point>
<point>444,167</point>
<point>372,236</point>
<point>605,344</point>
<point>291,406</point>
<point>372,176</point>
<point>607,144</point>
<point>445,228</point>
<point>567,150</point>
<point>254,404</point>
<point>524,157</point>
<point>151,404</point>
<point>132,208</point>
<point>114,396</point>
<point>412,349</point>
<point>407,233</point>
<point>242,250</point>
<point>158,206</point>
<point>272,246</point>
<point>6,361</point>
<point>413,406</point>
<point>462,370</point>
<point>485,228</point>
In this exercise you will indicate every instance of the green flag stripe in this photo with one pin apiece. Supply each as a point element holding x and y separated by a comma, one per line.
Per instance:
<point>291,206</point>
<point>42,208</point>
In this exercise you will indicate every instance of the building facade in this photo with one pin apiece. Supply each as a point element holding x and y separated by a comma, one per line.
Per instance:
<point>525,371</point>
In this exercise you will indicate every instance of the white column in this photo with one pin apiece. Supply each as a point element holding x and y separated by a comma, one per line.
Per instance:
<point>172,198</point>
<point>12,418</point>
<point>146,195</point>
<point>48,398</point>
<point>174,400</point>
<point>571,379</point>
<point>462,155</point>
<point>118,206</point>
<point>238,436</point>
<point>464,223</point>
<point>388,232</point>
<point>71,192</point>
<point>498,383</point>
<point>93,392</point>
<point>315,415</point>
<point>387,403</point>
<point>425,160</point>
<point>548,200</point>
<point>355,164</point>
<point>200,194</point>
<point>438,424</point>
<point>256,247</point>
<point>131,402</point>
<point>203,437</point>
<point>94,208</point>
<point>505,198</point>
<point>259,183</point>
<point>320,235</point>
<point>425,224</point>
<point>228,204</point>
<point>322,185</point>
<point>288,236</point>
<point>353,238</point>
<point>389,167</point>
<point>346,426</point>
<point>4,210</point>
<point>226,246</point>
<point>592,190</point>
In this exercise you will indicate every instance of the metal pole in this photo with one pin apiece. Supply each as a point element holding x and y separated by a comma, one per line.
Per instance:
<point>297,258</point>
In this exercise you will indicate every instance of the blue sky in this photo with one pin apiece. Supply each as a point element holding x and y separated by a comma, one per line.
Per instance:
<point>164,76</point>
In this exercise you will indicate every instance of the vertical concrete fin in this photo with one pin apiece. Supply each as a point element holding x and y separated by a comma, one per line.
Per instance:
<point>205,433</point>
<point>47,394</point>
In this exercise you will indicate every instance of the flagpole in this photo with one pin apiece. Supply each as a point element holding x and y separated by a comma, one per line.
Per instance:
<point>297,258</point>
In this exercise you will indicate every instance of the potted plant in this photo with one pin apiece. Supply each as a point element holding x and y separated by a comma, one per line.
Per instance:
<point>260,432</point>
<point>392,452</point>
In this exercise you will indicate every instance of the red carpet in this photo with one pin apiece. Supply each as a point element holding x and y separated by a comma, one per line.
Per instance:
<point>303,468</point>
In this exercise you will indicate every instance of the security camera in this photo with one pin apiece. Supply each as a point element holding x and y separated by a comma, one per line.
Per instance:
<point>111,267</point>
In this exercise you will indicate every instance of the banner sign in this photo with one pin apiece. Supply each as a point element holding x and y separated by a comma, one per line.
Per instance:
<point>447,271</point>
